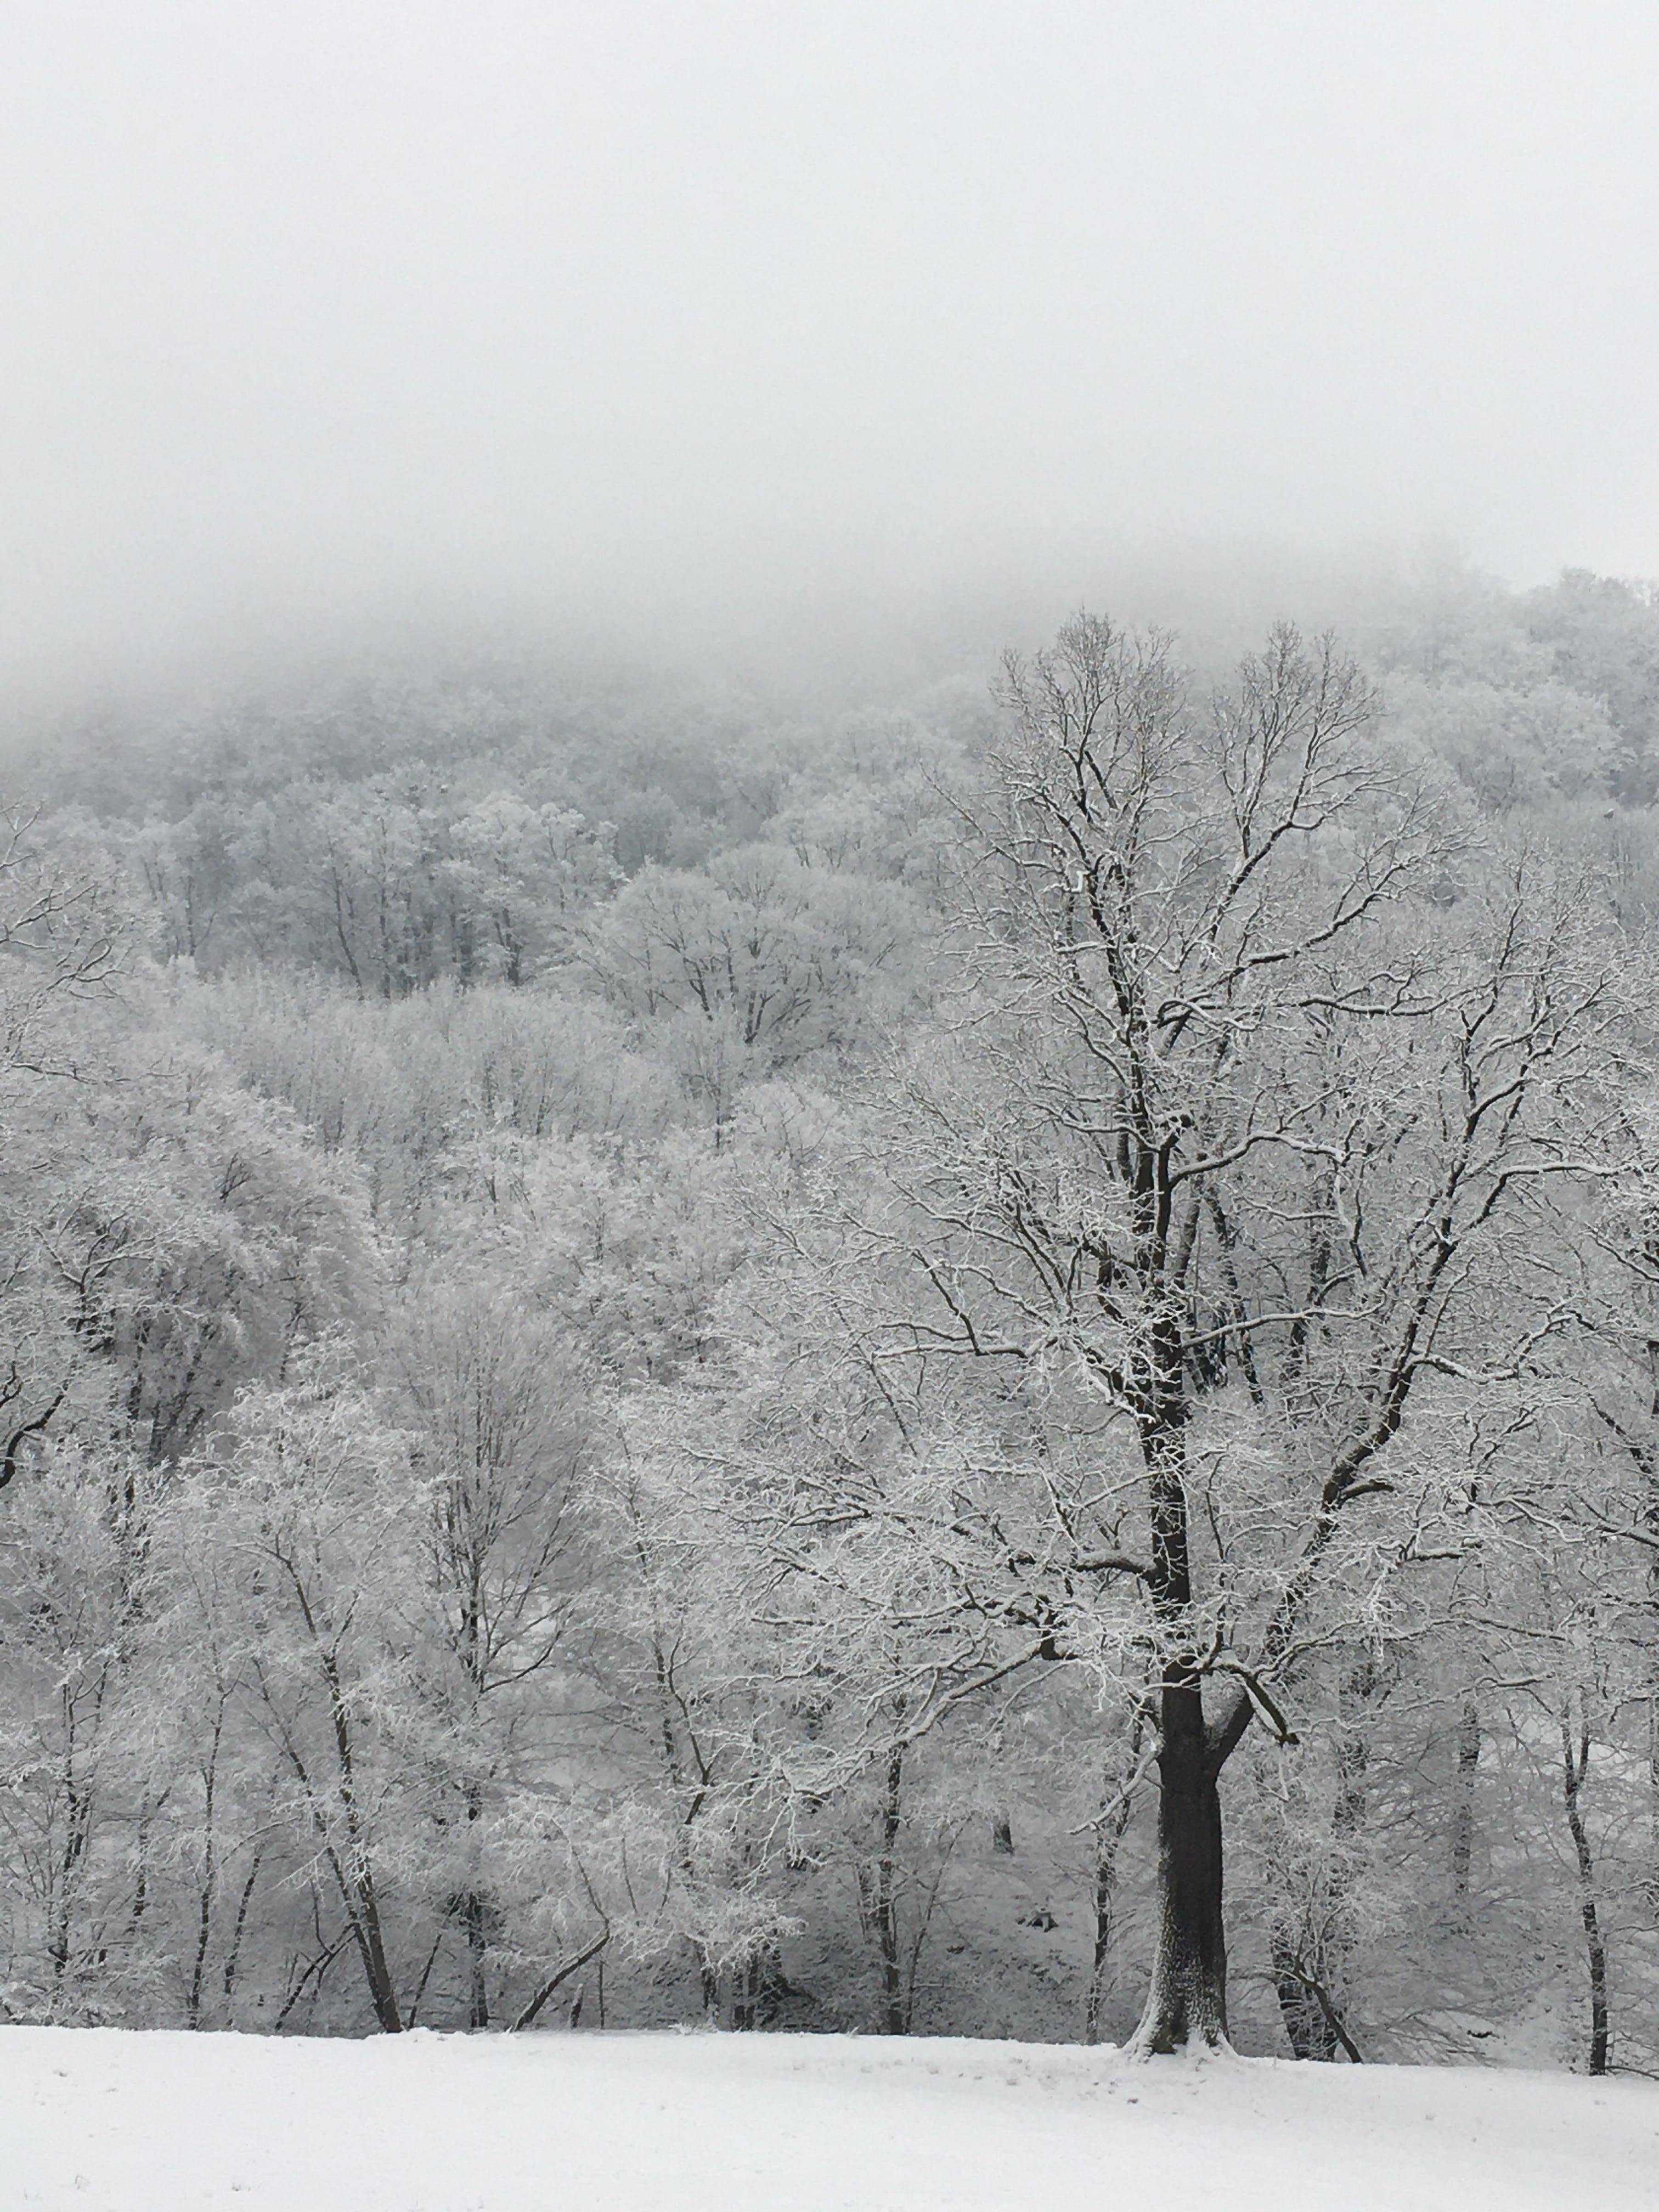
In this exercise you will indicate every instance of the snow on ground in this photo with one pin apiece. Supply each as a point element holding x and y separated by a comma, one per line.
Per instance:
<point>103,2120</point>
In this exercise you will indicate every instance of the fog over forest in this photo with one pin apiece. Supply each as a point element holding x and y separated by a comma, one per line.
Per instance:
<point>694,322</point>
<point>829,1112</point>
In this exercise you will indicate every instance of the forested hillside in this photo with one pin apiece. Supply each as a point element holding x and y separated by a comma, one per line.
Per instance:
<point>664,1359</point>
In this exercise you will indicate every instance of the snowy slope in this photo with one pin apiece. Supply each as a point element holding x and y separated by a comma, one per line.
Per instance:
<point>101,2120</point>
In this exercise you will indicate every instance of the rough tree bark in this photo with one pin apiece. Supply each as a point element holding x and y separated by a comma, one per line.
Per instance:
<point>1187,2002</point>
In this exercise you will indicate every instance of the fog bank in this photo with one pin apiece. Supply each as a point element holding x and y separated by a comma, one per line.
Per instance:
<point>724,322</point>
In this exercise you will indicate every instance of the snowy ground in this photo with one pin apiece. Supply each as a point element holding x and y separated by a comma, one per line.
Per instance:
<point>105,2121</point>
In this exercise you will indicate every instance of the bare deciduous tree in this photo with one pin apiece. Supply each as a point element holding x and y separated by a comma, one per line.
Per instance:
<point>1255,1096</point>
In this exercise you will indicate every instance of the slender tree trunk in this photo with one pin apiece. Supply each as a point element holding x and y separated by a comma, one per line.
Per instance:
<point>1468,1760</point>
<point>371,1945</point>
<point>79,1829</point>
<point>426,1976</point>
<point>1108,1839</point>
<point>883,1907</point>
<point>478,1999</point>
<point>141,1890</point>
<point>475,1915</point>
<point>354,1872</point>
<point>877,1884</point>
<point>232,1957</point>
<point>312,1979</point>
<point>1311,2021</point>
<point>205,1930</point>
<point>1574,1763</point>
<point>592,1950</point>
<point>210,1869</point>
<point>342,932</point>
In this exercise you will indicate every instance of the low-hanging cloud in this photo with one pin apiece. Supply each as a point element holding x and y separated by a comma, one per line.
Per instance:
<point>665,313</point>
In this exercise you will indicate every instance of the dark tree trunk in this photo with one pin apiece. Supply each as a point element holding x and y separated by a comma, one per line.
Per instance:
<point>477,1944</point>
<point>371,1945</point>
<point>354,1872</point>
<point>1311,2021</point>
<point>1468,1760</point>
<point>475,1911</point>
<point>879,1887</point>
<point>232,1957</point>
<point>1575,1765</point>
<point>1186,2003</point>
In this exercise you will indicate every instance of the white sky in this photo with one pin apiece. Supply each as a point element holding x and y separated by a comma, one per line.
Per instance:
<point>635,307</point>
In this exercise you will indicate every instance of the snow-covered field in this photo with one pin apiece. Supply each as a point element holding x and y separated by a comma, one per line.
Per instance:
<point>106,2121</point>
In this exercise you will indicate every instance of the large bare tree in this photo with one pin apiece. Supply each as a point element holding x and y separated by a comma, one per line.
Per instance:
<point>1257,1130</point>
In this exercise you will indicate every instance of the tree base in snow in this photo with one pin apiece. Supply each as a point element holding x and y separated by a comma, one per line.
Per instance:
<point>1174,2027</point>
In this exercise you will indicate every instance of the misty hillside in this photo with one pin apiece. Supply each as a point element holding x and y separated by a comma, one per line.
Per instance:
<point>497,794</point>
<point>829,1101</point>
<point>564,1463</point>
